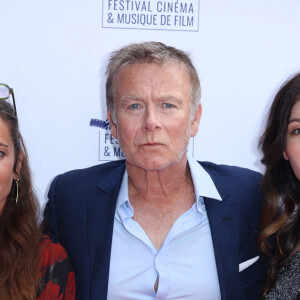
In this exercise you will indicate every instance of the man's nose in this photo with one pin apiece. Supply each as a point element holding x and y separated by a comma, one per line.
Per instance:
<point>151,119</point>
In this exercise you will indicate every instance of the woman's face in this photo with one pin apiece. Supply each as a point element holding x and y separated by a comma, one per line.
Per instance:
<point>7,161</point>
<point>292,149</point>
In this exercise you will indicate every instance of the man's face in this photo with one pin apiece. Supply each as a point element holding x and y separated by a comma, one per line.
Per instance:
<point>153,124</point>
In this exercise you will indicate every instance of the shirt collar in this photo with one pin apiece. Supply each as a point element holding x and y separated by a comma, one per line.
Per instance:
<point>203,185</point>
<point>123,207</point>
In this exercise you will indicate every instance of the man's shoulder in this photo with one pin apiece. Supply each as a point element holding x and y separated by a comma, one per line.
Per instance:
<point>90,176</point>
<point>92,171</point>
<point>233,179</point>
<point>224,171</point>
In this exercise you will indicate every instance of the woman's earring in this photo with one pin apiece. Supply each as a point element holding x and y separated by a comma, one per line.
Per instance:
<point>17,184</point>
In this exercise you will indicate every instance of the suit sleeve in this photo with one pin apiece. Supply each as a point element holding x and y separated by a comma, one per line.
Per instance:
<point>49,224</point>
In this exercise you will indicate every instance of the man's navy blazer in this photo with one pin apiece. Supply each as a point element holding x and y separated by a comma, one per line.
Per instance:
<point>80,215</point>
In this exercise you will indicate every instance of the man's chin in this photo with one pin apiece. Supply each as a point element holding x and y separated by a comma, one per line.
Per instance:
<point>147,166</point>
<point>153,164</point>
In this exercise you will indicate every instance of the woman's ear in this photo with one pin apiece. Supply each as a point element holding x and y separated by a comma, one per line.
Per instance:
<point>285,155</point>
<point>18,166</point>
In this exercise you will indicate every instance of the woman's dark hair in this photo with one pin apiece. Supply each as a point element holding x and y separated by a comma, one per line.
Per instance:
<point>280,222</point>
<point>19,230</point>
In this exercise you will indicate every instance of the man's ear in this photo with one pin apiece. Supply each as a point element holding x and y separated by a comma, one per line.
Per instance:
<point>18,166</point>
<point>196,120</point>
<point>285,155</point>
<point>113,125</point>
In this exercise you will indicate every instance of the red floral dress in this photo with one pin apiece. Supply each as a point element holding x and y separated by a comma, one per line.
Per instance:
<point>57,281</point>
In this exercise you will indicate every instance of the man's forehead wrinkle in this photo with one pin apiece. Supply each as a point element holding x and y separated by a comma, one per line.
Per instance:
<point>123,99</point>
<point>129,97</point>
<point>170,97</point>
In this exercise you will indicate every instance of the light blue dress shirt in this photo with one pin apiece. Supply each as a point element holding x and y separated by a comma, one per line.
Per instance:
<point>185,263</point>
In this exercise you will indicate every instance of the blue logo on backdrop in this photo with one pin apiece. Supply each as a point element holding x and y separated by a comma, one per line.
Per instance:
<point>109,148</point>
<point>179,15</point>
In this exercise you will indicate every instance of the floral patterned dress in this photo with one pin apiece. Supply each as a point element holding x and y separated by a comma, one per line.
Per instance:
<point>57,281</point>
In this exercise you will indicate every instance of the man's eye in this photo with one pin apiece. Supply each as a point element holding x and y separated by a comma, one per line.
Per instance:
<point>168,105</point>
<point>134,106</point>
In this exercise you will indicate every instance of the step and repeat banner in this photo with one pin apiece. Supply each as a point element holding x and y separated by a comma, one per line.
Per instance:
<point>54,54</point>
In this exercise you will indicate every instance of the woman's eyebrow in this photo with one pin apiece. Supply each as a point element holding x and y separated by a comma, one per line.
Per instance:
<point>294,120</point>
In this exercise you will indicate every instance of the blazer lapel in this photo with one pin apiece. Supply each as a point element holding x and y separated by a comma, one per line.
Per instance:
<point>223,220</point>
<point>101,210</point>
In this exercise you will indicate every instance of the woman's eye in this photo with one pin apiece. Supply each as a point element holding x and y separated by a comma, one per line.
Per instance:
<point>296,131</point>
<point>2,154</point>
<point>168,105</point>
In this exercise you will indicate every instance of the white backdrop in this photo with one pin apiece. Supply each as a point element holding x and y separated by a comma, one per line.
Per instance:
<point>53,54</point>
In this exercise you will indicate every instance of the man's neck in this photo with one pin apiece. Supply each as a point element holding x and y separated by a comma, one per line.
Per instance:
<point>155,185</point>
<point>160,197</point>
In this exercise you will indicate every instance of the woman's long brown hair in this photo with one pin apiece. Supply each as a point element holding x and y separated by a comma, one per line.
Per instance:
<point>19,230</point>
<point>280,219</point>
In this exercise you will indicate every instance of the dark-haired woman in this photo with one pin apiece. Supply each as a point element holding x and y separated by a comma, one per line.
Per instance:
<point>280,222</point>
<point>31,265</point>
